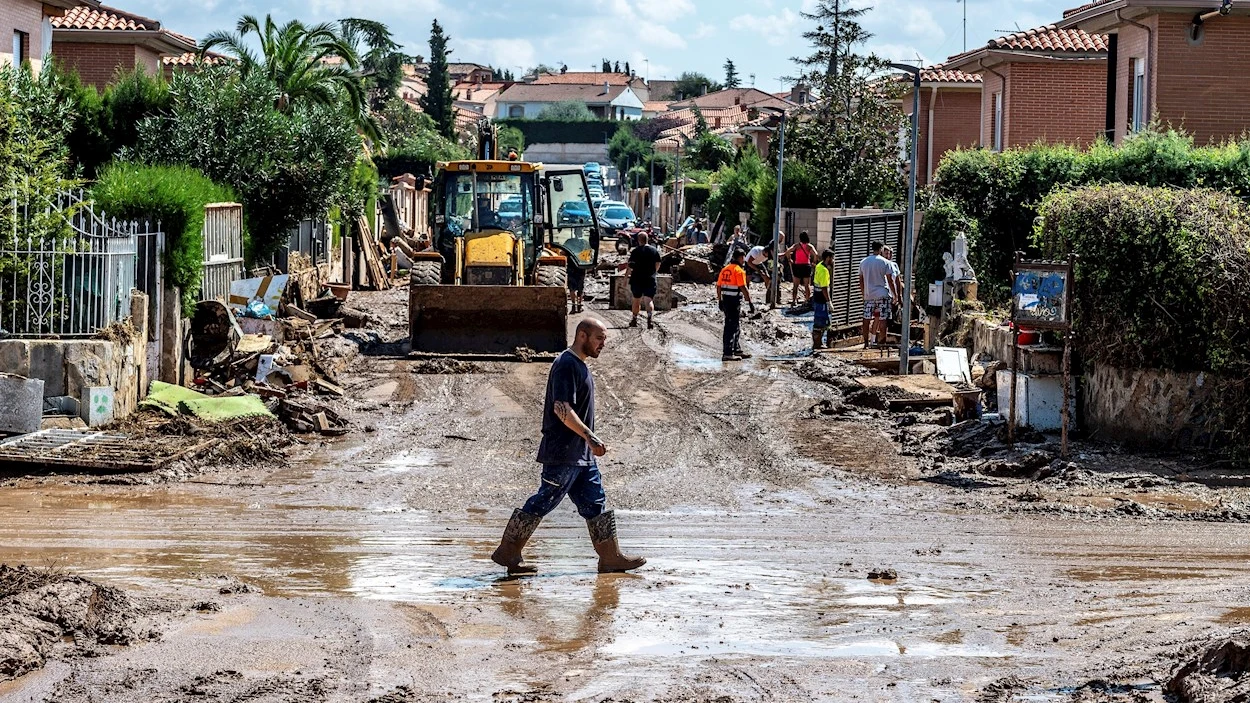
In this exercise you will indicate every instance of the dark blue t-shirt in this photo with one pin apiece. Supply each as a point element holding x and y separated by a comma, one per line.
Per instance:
<point>571,382</point>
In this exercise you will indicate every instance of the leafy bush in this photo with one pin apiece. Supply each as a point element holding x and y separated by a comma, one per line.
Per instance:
<point>1163,278</point>
<point>801,190</point>
<point>738,183</point>
<point>511,138</point>
<point>943,221</point>
<point>697,195</point>
<point>1001,191</point>
<point>567,111</point>
<point>284,165</point>
<point>625,148</point>
<point>710,152</point>
<point>174,195</point>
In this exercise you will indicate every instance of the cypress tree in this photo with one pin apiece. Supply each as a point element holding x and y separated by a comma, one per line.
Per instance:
<point>437,102</point>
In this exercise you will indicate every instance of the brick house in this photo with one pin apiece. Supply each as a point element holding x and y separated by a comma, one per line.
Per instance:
<point>950,115</point>
<point>28,28</point>
<point>100,42</point>
<point>1184,61</point>
<point>1045,84</point>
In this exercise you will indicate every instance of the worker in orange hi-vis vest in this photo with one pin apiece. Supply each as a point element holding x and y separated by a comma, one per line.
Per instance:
<point>731,290</point>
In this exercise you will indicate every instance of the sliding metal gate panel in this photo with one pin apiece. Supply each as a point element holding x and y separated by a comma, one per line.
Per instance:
<point>851,238</point>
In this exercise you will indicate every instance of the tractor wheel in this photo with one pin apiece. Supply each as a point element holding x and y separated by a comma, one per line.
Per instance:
<point>427,273</point>
<point>548,275</point>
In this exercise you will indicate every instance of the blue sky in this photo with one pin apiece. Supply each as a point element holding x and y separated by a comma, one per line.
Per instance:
<point>662,36</point>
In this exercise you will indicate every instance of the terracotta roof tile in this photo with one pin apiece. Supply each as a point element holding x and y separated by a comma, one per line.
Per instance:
<point>584,78</point>
<point>734,97</point>
<point>589,94</point>
<point>1052,39</point>
<point>938,74</point>
<point>191,58</point>
<point>1086,6</point>
<point>103,17</point>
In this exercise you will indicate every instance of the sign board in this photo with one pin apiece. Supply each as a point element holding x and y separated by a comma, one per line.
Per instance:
<point>1041,294</point>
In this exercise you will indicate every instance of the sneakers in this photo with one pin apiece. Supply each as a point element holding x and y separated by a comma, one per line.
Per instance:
<point>731,357</point>
<point>742,355</point>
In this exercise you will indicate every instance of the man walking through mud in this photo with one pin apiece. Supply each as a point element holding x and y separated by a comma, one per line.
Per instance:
<point>567,452</point>
<point>644,266</point>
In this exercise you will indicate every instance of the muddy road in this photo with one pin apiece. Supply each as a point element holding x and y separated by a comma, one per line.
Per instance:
<point>359,570</point>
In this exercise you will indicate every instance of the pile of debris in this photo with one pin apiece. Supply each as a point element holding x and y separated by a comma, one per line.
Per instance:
<point>265,344</point>
<point>43,611</point>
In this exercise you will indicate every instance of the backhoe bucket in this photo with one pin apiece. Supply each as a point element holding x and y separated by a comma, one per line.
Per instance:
<point>450,319</point>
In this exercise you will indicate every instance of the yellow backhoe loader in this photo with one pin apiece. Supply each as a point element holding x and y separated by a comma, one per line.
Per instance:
<point>504,233</point>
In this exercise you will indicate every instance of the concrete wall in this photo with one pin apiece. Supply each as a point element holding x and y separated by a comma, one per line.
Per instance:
<point>68,367</point>
<point>576,154</point>
<point>1147,407</point>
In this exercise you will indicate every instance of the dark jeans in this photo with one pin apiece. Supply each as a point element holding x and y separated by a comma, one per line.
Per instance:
<point>732,307</point>
<point>582,484</point>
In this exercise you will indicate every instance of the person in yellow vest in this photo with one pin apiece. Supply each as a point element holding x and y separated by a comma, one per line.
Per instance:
<point>822,280</point>
<point>731,290</point>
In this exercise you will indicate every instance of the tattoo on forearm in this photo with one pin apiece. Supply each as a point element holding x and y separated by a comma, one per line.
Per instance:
<point>562,410</point>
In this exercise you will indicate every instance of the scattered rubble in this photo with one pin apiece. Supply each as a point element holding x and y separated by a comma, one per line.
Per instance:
<point>43,611</point>
<point>445,365</point>
<point>882,574</point>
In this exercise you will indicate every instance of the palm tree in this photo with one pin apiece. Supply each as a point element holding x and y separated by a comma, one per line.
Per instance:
<point>313,64</point>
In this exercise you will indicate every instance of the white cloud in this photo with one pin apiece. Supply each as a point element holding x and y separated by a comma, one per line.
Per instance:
<point>777,29</point>
<point>664,10</point>
<point>660,36</point>
<point>703,31</point>
<point>498,52</point>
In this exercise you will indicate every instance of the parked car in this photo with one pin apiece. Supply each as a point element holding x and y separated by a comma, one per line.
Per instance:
<point>610,203</point>
<point>573,212</point>
<point>615,217</point>
<point>591,167</point>
<point>596,200</point>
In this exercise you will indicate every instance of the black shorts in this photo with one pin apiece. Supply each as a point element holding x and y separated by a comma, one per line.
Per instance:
<point>577,279</point>
<point>643,289</point>
<point>802,270</point>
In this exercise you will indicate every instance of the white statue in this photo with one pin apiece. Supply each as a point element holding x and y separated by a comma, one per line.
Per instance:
<point>959,269</point>
<point>948,263</point>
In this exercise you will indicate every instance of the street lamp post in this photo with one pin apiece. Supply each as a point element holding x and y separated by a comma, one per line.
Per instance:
<point>774,292</point>
<point>904,367</point>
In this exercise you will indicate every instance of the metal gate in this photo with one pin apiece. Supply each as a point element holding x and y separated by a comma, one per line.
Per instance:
<point>65,270</point>
<point>851,238</point>
<point>310,238</point>
<point>223,249</point>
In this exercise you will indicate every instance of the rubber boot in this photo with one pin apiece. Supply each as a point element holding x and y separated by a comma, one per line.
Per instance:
<point>603,536</point>
<point>817,336</point>
<point>515,535</point>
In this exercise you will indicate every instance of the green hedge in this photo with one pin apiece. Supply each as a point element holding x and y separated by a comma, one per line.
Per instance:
<point>174,195</point>
<point>1001,191</point>
<point>560,132</point>
<point>943,221</point>
<point>1163,278</point>
<point>697,195</point>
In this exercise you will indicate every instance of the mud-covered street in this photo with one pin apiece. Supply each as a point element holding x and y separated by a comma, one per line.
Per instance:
<point>359,570</point>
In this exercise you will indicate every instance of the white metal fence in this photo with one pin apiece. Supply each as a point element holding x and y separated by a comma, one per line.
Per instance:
<point>65,270</point>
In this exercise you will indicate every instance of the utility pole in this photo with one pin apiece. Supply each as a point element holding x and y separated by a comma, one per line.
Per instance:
<point>904,367</point>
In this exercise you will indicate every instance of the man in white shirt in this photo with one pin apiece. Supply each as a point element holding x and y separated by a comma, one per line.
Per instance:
<point>756,260</point>
<point>877,280</point>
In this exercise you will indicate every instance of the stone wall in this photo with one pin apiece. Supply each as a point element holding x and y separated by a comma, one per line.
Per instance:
<point>116,360</point>
<point>1147,407</point>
